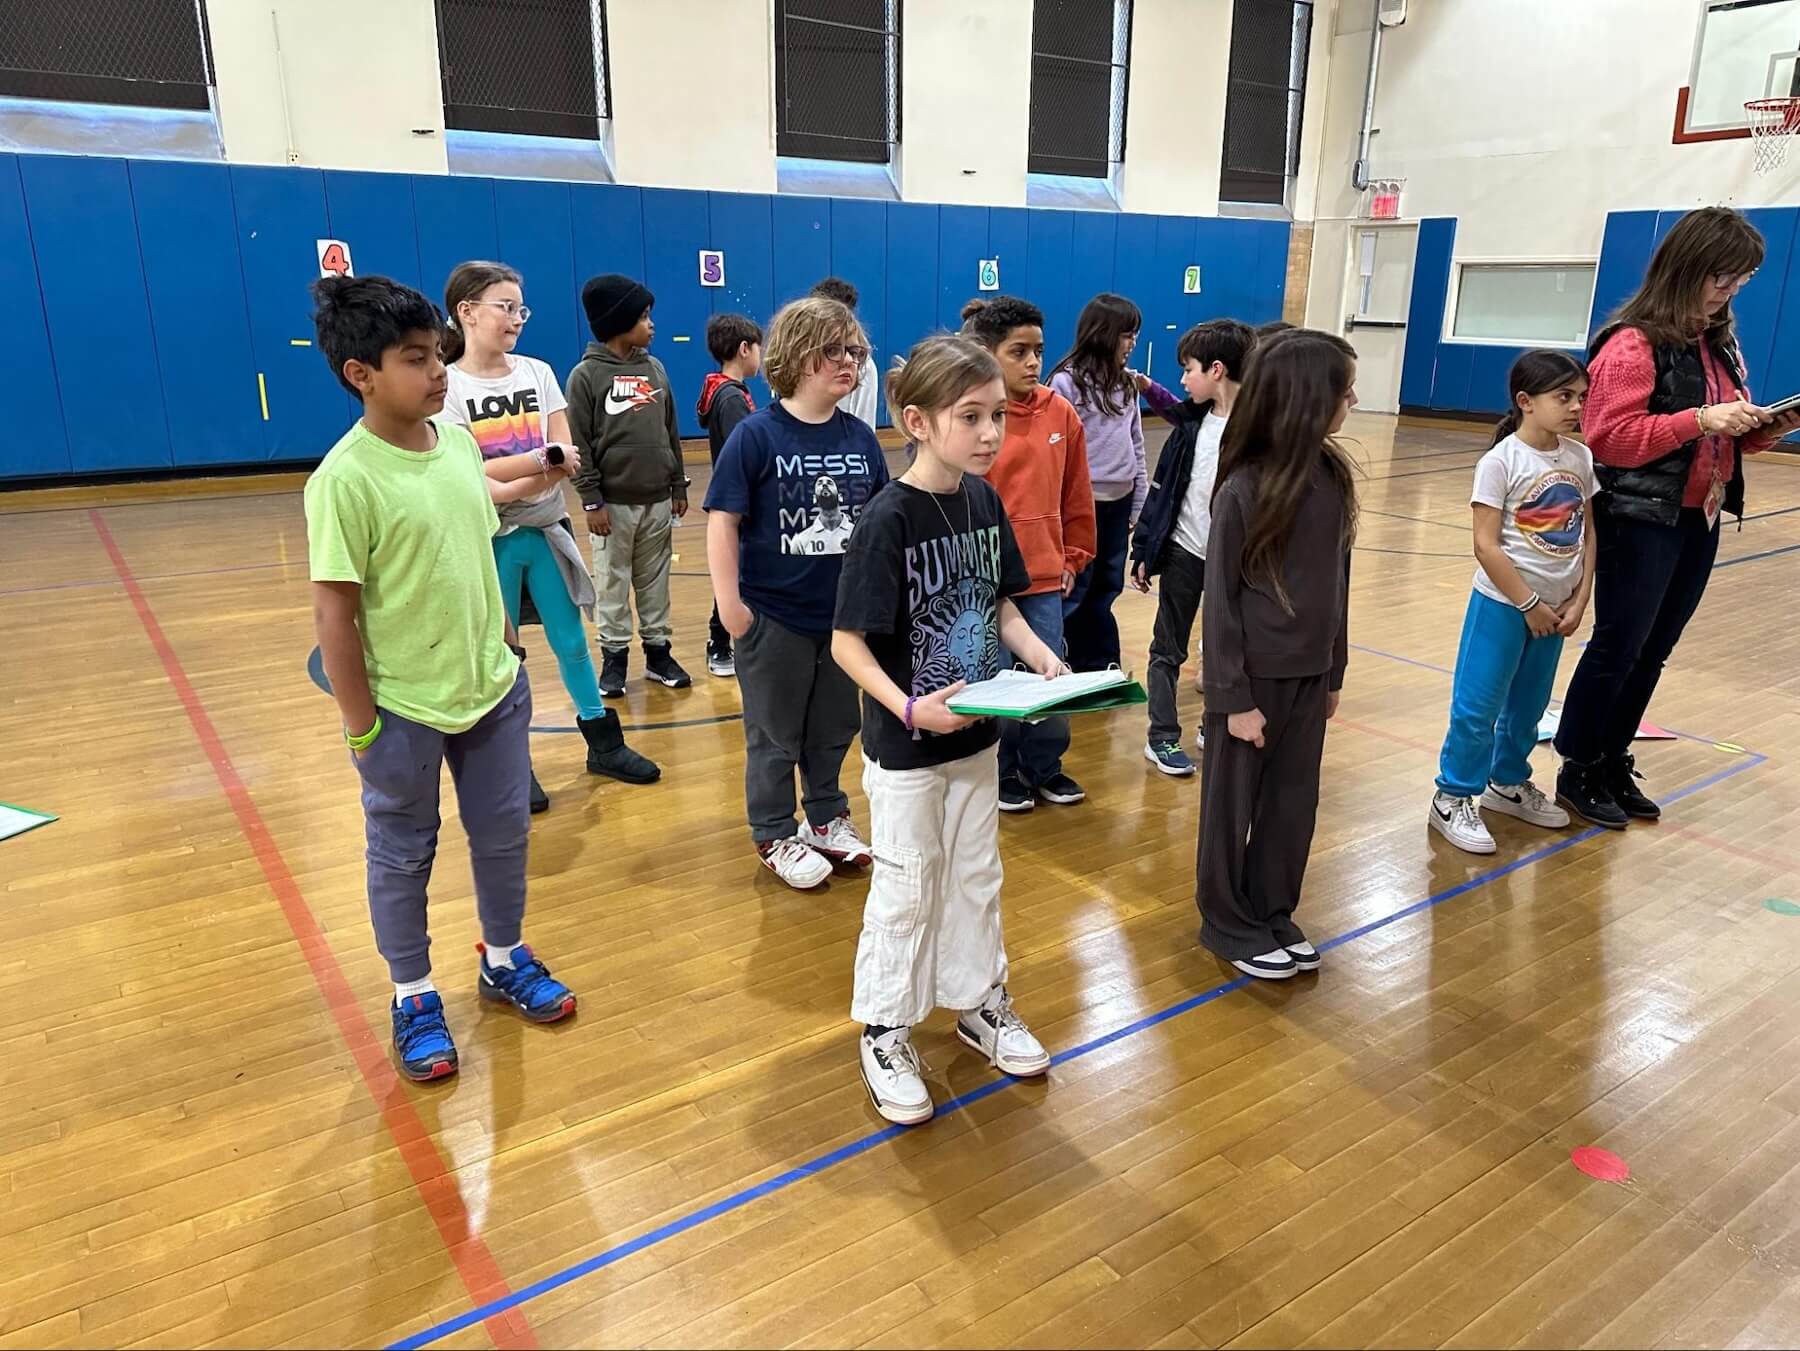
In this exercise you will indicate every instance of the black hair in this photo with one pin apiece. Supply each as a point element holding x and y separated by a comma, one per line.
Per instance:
<point>466,282</point>
<point>836,288</point>
<point>360,318</point>
<point>1223,340</point>
<point>989,321</point>
<point>1541,371</point>
<point>725,333</point>
<point>1273,327</point>
<point>1093,362</point>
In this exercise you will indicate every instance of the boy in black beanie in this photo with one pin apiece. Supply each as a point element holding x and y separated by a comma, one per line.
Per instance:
<point>632,484</point>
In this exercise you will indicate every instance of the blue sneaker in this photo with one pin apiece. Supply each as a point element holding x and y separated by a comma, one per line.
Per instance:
<point>1169,758</point>
<point>526,985</point>
<point>422,1042</point>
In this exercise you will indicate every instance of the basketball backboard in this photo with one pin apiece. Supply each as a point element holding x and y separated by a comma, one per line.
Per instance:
<point>1743,50</point>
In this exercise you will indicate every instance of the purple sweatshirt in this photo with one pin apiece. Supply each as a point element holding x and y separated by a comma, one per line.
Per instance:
<point>1115,446</point>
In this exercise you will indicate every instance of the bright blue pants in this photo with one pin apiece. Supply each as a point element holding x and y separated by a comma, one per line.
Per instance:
<point>525,560</point>
<point>1502,687</point>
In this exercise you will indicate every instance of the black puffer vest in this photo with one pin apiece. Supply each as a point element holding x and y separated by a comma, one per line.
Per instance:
<point>1652,492</point>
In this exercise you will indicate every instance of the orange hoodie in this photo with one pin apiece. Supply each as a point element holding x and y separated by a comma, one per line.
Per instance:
<point>1042,478</point>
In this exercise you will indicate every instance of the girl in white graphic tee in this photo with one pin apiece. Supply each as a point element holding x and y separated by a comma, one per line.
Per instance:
<point>513,406</point>
<point>1534,541</point>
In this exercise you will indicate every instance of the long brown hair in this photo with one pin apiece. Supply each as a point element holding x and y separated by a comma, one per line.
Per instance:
<point>1710,242</point>
<point>467,281</point>
<point>1278,431</point>
<point>1093,362</point>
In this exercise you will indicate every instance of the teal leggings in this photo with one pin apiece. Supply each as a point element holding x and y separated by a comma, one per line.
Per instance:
<point>524,559</point>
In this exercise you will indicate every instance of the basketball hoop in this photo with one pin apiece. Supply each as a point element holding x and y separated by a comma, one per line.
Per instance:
<point>1381,199</point>
<point>1773,122</point>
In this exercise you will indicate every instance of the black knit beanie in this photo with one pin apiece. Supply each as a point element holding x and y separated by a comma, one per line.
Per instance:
<point>613,303</point>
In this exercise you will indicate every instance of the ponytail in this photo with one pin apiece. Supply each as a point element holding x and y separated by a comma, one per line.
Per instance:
<point>1502,429</point>
<point>466,282</point>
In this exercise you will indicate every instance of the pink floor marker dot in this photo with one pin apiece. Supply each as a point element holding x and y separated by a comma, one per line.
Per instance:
<point>1600,1163</point>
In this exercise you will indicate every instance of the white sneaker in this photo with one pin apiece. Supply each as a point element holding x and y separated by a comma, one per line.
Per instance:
<point>1459,821</point>
<point>1276,965</point>
<point>1305,955</point>
<point>721,664</point>
<point>840,843</point>
<point>895,1077</point>
<point>1200,738</point>
<point>1525,801</point>
<point>795,863</point>
<point>1000,1035</point>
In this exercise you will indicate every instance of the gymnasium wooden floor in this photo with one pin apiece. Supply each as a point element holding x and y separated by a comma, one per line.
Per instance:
<point>202,1142</point>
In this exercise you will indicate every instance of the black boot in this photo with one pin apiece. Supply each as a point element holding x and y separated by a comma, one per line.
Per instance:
<point>615,663</point>
<point>609,755</point>
<point>1582,789</point>
<point>660,665</point>
<point>540,800</point>
<point>1621,776</point>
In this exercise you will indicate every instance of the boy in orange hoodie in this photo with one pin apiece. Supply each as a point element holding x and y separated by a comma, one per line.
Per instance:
<point>1042,478</point>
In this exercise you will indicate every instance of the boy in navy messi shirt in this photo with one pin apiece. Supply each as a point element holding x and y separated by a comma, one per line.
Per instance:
<point>783,501</point>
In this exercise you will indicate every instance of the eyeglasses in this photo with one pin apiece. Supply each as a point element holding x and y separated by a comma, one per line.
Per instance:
<point>511,308</point>
<point>839,351</point>
<point>1724,281</point>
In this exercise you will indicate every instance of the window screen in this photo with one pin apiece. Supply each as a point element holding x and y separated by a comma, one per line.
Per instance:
<point>1528,303</point>
<point>1080,61</point>
<point>147,53</point>
<point>1265,97</point>
<point>837,79</point>
<point>531,67</point>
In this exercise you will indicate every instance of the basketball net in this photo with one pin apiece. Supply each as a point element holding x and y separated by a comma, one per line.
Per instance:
<point>1773,123</point>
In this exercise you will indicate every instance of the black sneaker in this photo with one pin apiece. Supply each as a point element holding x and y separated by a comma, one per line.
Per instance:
<point>540,800</point>
<point>1014,795</point>
<point>660,665</point>
<point>1621,778</point>
<point>1061,790</point>
<point>614,663</point>
<point>1582,789</point>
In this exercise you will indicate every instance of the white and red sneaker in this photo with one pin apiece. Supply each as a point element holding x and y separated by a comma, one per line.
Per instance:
<point>840,843</point>
<point>794,862</point>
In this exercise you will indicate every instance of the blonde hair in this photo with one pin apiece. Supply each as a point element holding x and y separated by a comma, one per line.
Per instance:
<point>800,328</point>
<point>937,372</point>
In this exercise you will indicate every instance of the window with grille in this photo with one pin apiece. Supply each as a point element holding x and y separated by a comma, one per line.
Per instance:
<point>532,67</point>
<point>147,53</point>
<point>837,79</point>
<point>1265,96</point>
<point>1080,62</point>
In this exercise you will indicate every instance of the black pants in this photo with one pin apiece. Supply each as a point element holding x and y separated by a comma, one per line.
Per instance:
<point>1257,809</point>
<point>800,712</point>
<point>1088,624</point>
<point>1648,582</point>
<point>718,637</point>
<point>1177,602</point>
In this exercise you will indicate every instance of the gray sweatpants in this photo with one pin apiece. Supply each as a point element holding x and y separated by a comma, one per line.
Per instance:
<point>634,560</point>
<point>491,767</point>
<point>800,712</point>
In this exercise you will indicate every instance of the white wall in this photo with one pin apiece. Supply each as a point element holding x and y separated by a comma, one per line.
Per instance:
<point>692,93</point>
<point>349,105</point>
<point>1530,120</point>
<point>1175,116</point>
<point>965,121</point>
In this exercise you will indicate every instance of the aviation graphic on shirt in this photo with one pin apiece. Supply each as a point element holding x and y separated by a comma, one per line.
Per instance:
<point>829,530</point>
<point>1553,514</point>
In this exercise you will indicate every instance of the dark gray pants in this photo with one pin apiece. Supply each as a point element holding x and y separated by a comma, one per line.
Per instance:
<point>1177,602</point>
<point>401,772</point>
<point>800,712</point>
<point>1257,809</point>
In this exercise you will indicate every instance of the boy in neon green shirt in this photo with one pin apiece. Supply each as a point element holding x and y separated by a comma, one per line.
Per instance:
<point>421,657</point>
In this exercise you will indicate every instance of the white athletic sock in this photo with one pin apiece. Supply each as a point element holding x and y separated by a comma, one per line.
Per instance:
<point>499,954</point>
<point>404,990</point>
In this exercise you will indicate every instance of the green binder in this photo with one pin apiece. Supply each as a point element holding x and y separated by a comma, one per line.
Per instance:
<point>1031,698</point>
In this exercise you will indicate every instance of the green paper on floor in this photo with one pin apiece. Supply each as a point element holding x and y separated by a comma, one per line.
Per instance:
<point>18,820</point>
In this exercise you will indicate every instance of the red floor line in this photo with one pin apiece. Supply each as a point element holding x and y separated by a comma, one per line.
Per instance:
<point>1394,737</point>
<point>436,1187</point>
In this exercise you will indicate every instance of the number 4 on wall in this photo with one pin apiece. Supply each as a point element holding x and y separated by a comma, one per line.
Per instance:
<point>334,259</point>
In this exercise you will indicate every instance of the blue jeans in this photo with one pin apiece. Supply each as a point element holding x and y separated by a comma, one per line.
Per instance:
<point>1088,623</point>
<point>525,560</point>
<point>1502,687</point>
<point>1033,751</point>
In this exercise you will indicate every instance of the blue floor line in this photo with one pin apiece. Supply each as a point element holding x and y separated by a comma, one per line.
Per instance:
<point>782,1181</point>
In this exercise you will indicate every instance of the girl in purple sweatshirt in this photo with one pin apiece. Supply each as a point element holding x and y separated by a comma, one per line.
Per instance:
<point>1093,377</point>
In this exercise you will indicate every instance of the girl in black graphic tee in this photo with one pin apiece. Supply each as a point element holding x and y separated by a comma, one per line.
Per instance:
<point>922,610</point>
